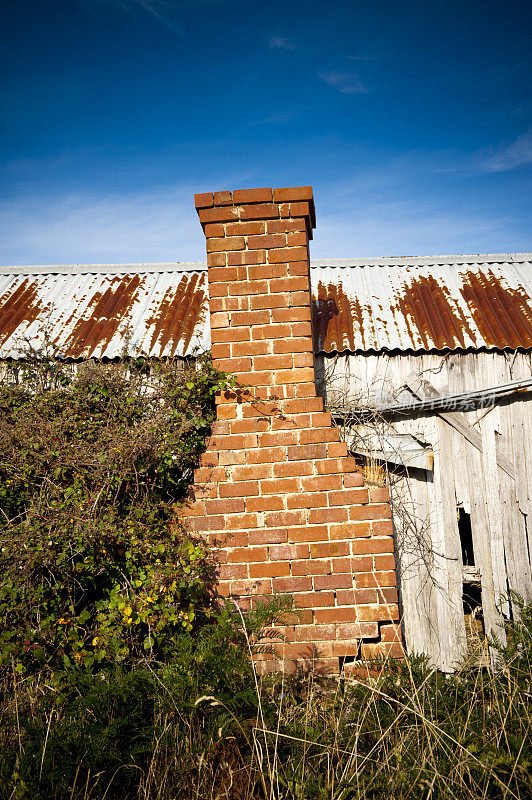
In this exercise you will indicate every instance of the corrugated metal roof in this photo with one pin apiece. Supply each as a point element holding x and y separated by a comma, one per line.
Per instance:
<point>359,305</point>
<point>94,310</point>
<point>420,304</point>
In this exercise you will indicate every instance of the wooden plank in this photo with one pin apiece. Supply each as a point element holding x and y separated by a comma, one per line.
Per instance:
<point>422,388</point>
<point>447,570</point>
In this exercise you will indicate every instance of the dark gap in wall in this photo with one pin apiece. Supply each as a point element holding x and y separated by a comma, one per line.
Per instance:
<point>466,538</point>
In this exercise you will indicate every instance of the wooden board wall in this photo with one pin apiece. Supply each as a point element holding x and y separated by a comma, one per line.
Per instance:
<point>426,502</point>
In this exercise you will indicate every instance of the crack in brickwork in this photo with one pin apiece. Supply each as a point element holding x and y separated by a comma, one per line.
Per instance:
<point>276,494</point>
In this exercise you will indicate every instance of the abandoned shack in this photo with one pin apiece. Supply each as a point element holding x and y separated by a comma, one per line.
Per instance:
<point>424,364</point>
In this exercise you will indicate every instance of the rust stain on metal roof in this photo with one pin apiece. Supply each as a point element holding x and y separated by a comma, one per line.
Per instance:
<point>108,311</point>
<point>503,315</point>
<point>18,306</point>
<point>182,308</point>
<point>427,309</point>
<point>334,316</point>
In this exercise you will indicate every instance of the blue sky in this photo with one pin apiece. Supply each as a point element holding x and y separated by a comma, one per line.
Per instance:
<point>412,121</point>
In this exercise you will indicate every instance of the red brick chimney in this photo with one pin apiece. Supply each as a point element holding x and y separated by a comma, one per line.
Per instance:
<point>276,493</point>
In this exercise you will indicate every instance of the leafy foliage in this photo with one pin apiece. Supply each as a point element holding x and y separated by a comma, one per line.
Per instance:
<point>95,569</point>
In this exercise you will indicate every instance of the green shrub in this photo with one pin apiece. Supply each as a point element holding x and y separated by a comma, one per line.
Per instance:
<point>95,569</point>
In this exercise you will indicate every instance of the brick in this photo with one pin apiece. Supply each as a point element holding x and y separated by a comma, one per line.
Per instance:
<point>318,515</point>
<point>260,211</point>
<point>353,479</point>
<point>348,497</point>
<point>260,504</point>
<point>239,318</point>
<point>268,536</point>
<point>226,506</point>
<point>247,555</point>
<point>266,455</point>
<point>285,254</point>
<point>252,587</point>
<point>231,335</point>
<point>299,209</point>
<point>286,226</point>
<point>276,302</point>
<point>276,569</point>
<point>251,425</point>
<point>321,483</point>
<point>326,616</point>
<point>374,580</point>
<point>310,533</point>
<point>385,562</point>
<point>379,494</point>
<point>289,284</point>
<point>246,257</point>
<point>292,193</point>
<point>328,549</point>
<point>314,436</point>
<point>391,633</point>
<point>224,274</point>
<point>370,511</point>
<point>215,260</point>
<point>251,472</point>
<point>280,361</point>
<point>316,633</point>
<point>267,271</point>
<point>383,613</point>
<point>288,551</point>
<point>309,566</point>
<point>203,200</point>
<point>315,600</point>
<point>284,313</point>
<point>206,523</point>
<point>310,451</point>
<point>372,545</point>
<point>298,240</point>
<point>213,229</point>
<point>388,594</point>
<point>292,585</point>
<point>303,406</point>
<point>266,241</point>
<point>280,485</point>
<point>228,571</point>
<point>262,195</point>
<point>245,228</point>
<point>218,214</point>
<point>307,500</point>
<point>277,519</point>
<point>340,581</point>
<point>250,348</point>
<point>234,365</point>
<point>292,422</point>
<point>382,528</point>
<point>248,288</point>
<point>222,198</point>
<point>300,344</point>
<point>270,331</point>
<point>337,450</point>
<point>241,521</point>
<point>378,649</point>
<point>221,350</point>
<point>300,375</point>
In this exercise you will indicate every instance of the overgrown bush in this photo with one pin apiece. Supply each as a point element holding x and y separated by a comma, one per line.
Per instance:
<point>122,679</point>
<point>94,568</point>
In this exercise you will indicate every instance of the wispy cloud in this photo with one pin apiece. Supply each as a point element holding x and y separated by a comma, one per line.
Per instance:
<point>508,156</point>
<point>281,43</point>
<point>160,225</point>
<point>345,82</point>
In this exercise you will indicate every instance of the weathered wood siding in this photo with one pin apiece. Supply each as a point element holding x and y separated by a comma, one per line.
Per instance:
<point>426,502</point>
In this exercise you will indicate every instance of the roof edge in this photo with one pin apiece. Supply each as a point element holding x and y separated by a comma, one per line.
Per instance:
<point>201,266</point>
